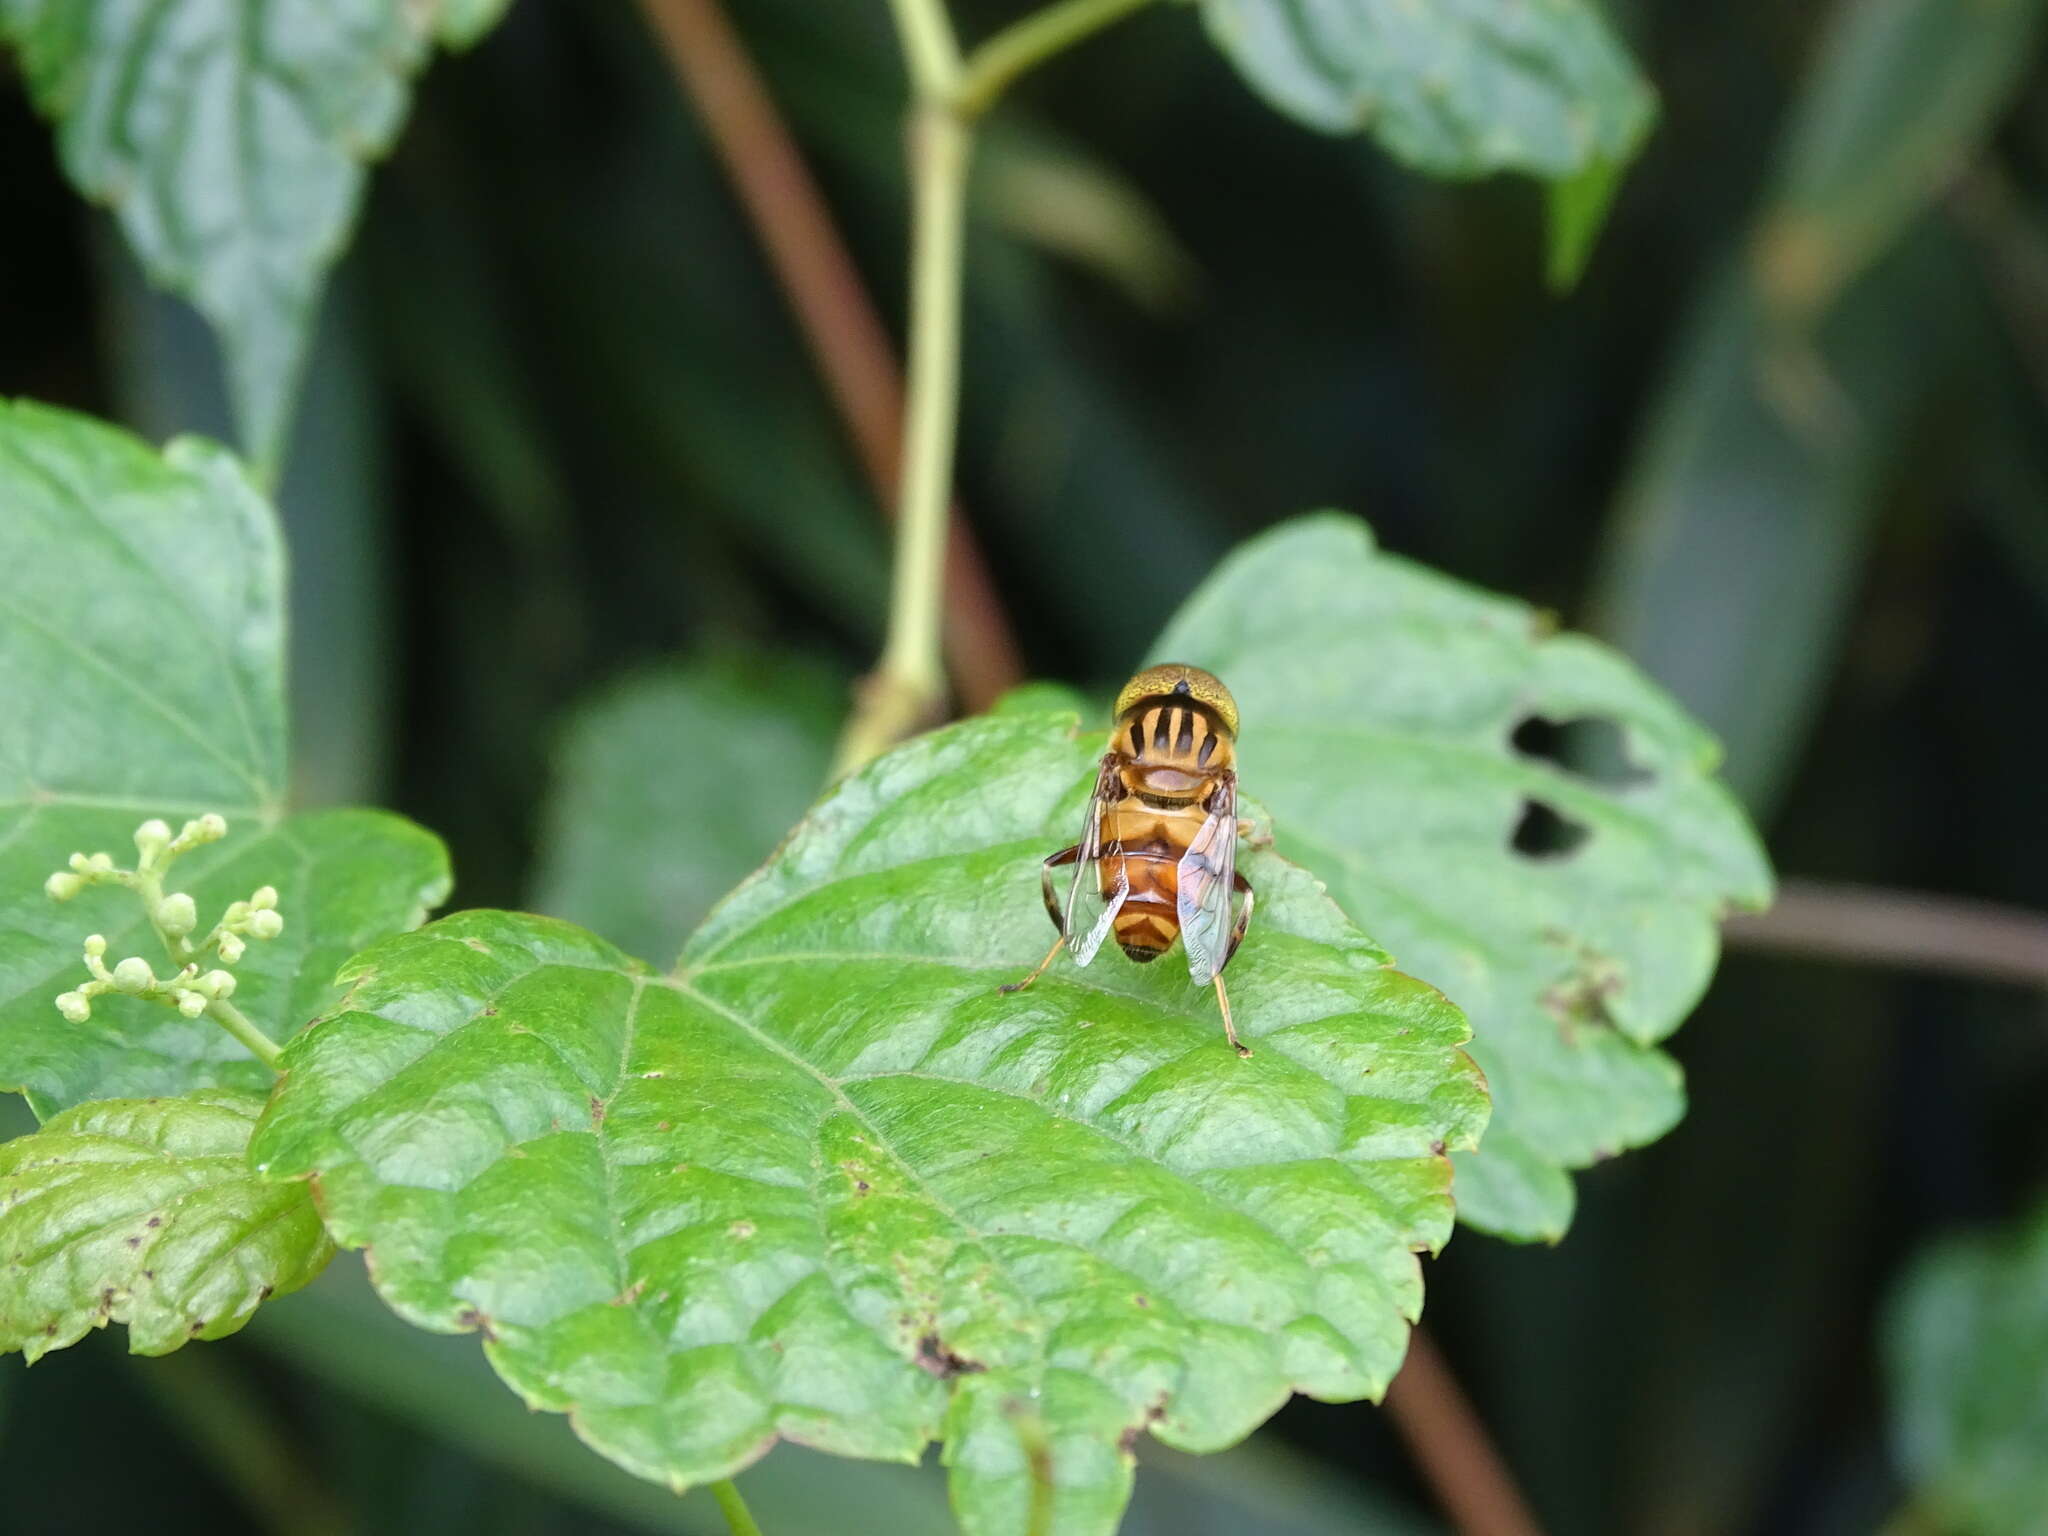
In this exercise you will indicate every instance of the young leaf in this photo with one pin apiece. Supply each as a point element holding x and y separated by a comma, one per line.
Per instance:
<point>673,787</point>
<point>144,1212</point>
<point>142,628</point>
<point>1388,727</point>
<point>827,1184</point>
<point>1967,1340</point>
<point>1455,88</point>
<point>230,141</point>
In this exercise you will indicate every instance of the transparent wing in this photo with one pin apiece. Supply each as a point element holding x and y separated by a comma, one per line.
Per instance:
<point>1091,911</point>
<point>1205,879</point>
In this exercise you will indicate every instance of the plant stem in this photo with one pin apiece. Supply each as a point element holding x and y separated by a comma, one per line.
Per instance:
<point>1024,45</point>
<point>929,51</point>
<point>734,1508</point>
<point>1451,1448</point>
<point>1909,930</point>
<point>848,342</point>
<point>908,687</point>
<point>237,1023</point>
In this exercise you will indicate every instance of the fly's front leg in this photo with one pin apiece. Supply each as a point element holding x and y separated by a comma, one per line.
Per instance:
<point>1052,910</point>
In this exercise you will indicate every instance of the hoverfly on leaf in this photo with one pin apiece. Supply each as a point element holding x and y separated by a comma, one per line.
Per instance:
<point>1157,859</point>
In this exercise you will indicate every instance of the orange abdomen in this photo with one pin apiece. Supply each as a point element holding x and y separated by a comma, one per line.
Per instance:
<point>1152,841</point>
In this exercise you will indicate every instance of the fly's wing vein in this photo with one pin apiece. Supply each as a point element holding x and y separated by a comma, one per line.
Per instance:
<point>1091,911</point>
<point>1205,876</point>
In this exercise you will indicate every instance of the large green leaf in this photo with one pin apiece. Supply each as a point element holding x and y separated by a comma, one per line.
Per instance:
<point>142,636</point>
<point>1381,707</point>
<point>1454,88</point>
<point>673,786</point>
<point>229,137</point>
<point>145,1212</point>
<point>827,1184</point>
<point>1967,1342</point>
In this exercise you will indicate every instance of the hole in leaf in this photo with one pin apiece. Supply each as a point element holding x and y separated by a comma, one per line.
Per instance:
<point>1588,747</point>
<point>1544,832</point>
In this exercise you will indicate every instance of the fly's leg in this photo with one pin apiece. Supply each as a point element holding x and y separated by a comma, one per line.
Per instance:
<point>1230,1029</point>
<point>1244,921</point>
<point>1038,970</point>
<point>1052,910</point>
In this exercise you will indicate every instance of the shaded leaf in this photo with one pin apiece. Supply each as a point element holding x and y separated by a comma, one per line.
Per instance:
<point>1967,1344</point>
<point>141,621</point>
<point>674,786</point>
<point>145,1212</point>
<point>1388,728</point>
<point>230,141</point>
<point>1458,88</point>
<point>827,1184</point>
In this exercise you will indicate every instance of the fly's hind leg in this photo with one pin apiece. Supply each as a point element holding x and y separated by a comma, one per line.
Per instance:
<point>1237,932</point>
<point>1052,910</point>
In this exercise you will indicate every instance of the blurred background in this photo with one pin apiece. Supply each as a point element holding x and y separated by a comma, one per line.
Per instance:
<point>563,454</point>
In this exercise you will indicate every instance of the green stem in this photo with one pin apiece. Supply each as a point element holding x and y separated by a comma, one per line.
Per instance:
<point>908,687</point>
<point>929,51</point>
<point>1024,45</point>
<point>237,1023</point>
<point>734,1508</point>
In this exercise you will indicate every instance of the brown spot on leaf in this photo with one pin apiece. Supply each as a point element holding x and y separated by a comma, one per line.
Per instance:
<point>630,1294</point>
<point>860,1186</point>
<point>1437,1146</point>
<point>935,1356</point>
<point>1155,1410</point>
<point>134,1242</point>
<point>154,1221</point>
<point>596,1110</point>
<point>1142,1301</point>
<point>469,1317</point>
<point>490,1013</point>
<point>478,945</point>
<point>664,1126</point>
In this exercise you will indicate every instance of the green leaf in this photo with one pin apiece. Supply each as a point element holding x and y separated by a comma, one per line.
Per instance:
<point>1455,88</point>
<point>827,1184</point>
<point>1381,705</point>
<point>145,1212</point>
<point>673,787</point>
<point>1904,94</point>
<point>1576,210</point>
<point>141,621</point>
<point>1967,1347</point>
<point>230,141</point>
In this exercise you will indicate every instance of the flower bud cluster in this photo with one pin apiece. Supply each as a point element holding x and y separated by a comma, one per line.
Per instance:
<point>174,915</point>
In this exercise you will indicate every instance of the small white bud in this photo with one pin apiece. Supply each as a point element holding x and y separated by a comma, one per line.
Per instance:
<point>80,862</point>
<point>101,863</point>
<point>265,924</point>
<point>62,886</point>
<point>231,947</point>
<point>95,945</point>
<point>212,828</point>
<point>237,915</point>
<point>177,915</point>
<point>264,899</point>
<point>217,984</point>
<point>191,1004</point>
<point>134,975</point>
<point>75,1006</point>
<point>152,837</point>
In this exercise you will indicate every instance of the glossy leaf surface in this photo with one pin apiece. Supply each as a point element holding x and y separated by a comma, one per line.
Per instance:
<point>230,137</point>
<point>1967,1338</point>
<point>1388,729</point>
<point>145,1212</point>
<point>1458,88</point>
<point>827,1184</point>
<point>141,627</point>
